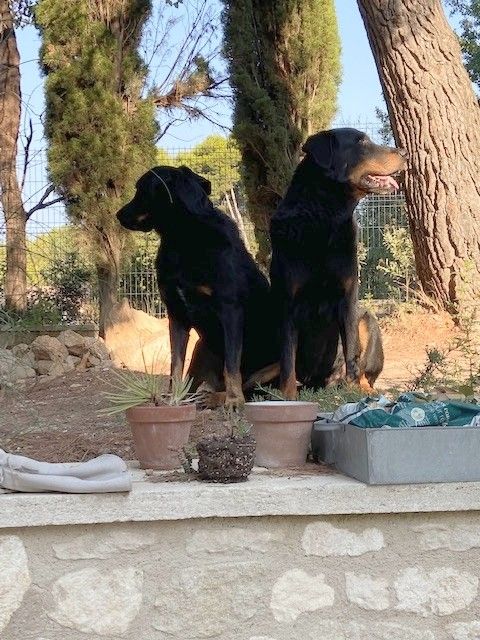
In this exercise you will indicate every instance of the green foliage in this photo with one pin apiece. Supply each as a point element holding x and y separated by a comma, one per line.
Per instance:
<point>101,131</point>
<point>138,278</point>
<point>328,399</point>
<point>69,277</point>
<point>331,398</point>
<point>456,367</point>
<point>53,247</point>
<point>385,248</point>
<point>237,424</point>
<point>41,310</point>
<point>22,11</point>
<point>133,389</point>
<point>385,129</point>
<point>284,61</point>
<point>399,264</point>
<point>60,278</point>
<point>218,159</point>
<point>470,35</point>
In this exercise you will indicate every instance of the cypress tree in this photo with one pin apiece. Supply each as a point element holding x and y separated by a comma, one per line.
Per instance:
<point>284,62</point>
<point>101,131</point>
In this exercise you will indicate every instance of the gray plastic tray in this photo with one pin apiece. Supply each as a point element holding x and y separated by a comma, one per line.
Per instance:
<point>399,456</point>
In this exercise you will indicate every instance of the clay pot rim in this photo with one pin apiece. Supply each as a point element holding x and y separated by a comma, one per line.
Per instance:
<point>281,403</point>
<point>149,413</point>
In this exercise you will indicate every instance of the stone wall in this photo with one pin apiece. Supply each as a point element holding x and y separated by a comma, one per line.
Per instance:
<point>354,577</point>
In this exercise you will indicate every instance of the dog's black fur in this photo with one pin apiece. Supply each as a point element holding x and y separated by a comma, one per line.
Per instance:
<point>207,279</point>
<point>314,271</point>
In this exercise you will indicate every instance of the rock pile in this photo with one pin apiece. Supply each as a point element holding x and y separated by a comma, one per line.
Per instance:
<point>47,358</point>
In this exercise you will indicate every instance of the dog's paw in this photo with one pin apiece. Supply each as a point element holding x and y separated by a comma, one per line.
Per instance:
<point>234,402</point>
<point>365,386</point>
<point>210,399</point>
<point>353,372</point>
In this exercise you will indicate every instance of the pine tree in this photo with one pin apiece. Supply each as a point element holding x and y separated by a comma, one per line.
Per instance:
<point>101,131</point>
<point>284,60</point>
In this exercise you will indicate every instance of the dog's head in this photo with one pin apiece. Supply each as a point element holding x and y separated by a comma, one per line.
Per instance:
<point>349,156</point>
<point>159,193</point>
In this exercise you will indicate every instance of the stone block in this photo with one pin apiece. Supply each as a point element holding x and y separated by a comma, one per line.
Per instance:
<point>14,577</point>
<point>74,342</point>
<point>231,541</point>
<point>451,537</point>
<point>323,539</point>
<point>297,592</point>
<point>49,348</point>
<point>101,546</point>
<point>210,601</point>
<point>442,591</point>
<point>367,592</point>
<point>98,601</point>
<point>465,630</point>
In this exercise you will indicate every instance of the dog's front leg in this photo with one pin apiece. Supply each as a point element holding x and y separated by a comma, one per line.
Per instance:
<point>349,336</point>
<point>288,353</point>
<point>179,334</point>
<point>231,316</point>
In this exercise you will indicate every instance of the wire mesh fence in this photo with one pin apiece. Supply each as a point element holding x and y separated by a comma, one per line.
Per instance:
<point>61,278</point>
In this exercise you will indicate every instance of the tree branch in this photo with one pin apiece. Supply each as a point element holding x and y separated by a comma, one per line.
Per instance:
<point>26,153</point>
<point>42,204</point>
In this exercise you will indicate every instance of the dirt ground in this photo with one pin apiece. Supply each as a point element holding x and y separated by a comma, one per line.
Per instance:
<point>61,422</point>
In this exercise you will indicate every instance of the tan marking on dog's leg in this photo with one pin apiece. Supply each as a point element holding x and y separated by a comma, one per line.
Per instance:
<point>363,335</point>
<point>262,376</point>
<point>205,289</point>
<point>364,385</point>
<point>289,388</point>
<point>233,387</point>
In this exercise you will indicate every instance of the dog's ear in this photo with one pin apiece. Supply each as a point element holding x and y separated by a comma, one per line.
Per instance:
<point>191,189</point>
<point>320,147</point>
<point>203,182</point>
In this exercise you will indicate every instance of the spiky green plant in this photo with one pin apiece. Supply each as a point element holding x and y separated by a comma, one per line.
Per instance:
<point>328,399</point>
<point>133,389</point>
<point>237,423</point>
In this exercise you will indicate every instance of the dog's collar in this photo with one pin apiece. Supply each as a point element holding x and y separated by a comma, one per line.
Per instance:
<point>164,184</point>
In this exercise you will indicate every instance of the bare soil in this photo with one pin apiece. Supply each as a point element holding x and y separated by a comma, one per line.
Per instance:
<point>61,422</point>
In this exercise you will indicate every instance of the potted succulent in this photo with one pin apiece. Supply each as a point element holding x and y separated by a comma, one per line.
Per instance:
<point>282,429</point>
<point>227,458</point>
<point>160,418</point>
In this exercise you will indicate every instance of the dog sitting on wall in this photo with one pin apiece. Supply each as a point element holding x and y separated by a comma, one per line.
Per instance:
<point>314,270</point>
<point>207,280</point>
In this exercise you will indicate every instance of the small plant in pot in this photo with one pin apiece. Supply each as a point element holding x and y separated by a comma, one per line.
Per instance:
<point>282,429</point>
<point>160,418</point>
<point>227,458</point>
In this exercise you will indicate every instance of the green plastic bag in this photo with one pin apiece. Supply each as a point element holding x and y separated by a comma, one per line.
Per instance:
<point>410,410</point>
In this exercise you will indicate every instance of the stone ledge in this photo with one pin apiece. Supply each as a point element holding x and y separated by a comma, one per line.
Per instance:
<point>262,495</point>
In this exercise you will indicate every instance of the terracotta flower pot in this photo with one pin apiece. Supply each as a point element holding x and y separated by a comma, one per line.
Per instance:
<point>225,458</point>
<point>282,431</point>
<point>160,433</point>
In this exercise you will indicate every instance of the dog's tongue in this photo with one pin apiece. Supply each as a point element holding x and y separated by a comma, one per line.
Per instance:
<point>385,182</point>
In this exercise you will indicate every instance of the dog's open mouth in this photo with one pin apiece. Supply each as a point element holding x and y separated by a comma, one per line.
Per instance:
<point>379,183</point>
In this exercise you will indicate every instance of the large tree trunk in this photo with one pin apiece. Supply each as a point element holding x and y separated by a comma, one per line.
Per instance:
<point>108,274</point>
<point>435,115</point>
<point>11,197</point>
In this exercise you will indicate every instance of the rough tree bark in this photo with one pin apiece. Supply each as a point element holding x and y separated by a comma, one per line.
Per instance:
<point>11,197</point>
<point>435,115</point>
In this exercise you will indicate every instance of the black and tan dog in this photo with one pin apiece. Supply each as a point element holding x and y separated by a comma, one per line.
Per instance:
<point>207,280</point>
<point>314,272</point>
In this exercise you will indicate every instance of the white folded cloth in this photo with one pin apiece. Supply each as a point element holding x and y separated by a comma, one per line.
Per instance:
<point>105,474</point>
